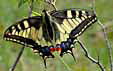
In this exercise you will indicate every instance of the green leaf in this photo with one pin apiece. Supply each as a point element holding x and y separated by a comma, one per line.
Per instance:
<point>21,2</point>
<point>35,13</point>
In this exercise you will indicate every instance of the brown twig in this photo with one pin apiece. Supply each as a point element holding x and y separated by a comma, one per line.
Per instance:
<point>51,2</point>
<point>108,45</point>
<point>89,57</point>
<point>30,8</point>
<point>106,39</point>
<point>17,59</point>
<point>22,49</point>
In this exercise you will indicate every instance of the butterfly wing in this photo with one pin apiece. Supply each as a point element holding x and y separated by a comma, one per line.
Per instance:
<point>73,21</point>
<point>28,31</point>
<point>32,32</point>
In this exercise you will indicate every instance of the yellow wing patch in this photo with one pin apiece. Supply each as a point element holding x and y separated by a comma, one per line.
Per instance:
<point>75,22</point>
<point>24,33</point>
<point>69,14</point>
<point>13,32</point>
<point>71,22</point>
<point>60,28</point>
<point>79,20</point>
<point>77,13</point>
<point>26,24</point>
<point>27,32</point>
<point>33,33</point>
<point>40,34</point>
<point>19,27</point>
<point>66,26</point>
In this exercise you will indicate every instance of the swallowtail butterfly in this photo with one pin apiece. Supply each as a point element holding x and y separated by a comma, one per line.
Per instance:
<point>53,31</point>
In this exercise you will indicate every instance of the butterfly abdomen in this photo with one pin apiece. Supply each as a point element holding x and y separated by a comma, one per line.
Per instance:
<point>53,49</point>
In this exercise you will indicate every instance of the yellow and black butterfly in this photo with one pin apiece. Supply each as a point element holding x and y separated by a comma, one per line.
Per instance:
<point>52,31</point>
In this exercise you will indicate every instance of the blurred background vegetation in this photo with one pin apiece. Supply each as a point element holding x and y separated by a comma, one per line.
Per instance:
<point>92,38</point>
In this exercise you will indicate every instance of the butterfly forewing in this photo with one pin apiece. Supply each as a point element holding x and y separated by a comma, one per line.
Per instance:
<point>69,19</point>
<point>77,31</point>
<point>28,29</point>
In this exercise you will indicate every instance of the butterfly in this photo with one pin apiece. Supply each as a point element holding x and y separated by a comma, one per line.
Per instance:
<point>52,31</point>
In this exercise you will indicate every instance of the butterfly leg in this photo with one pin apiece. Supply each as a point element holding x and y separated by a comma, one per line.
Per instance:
<point>66,47</point>
<point>45,58</point>
<point>68,51</point>
<point>71,52</point>
<point>46,53</point>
